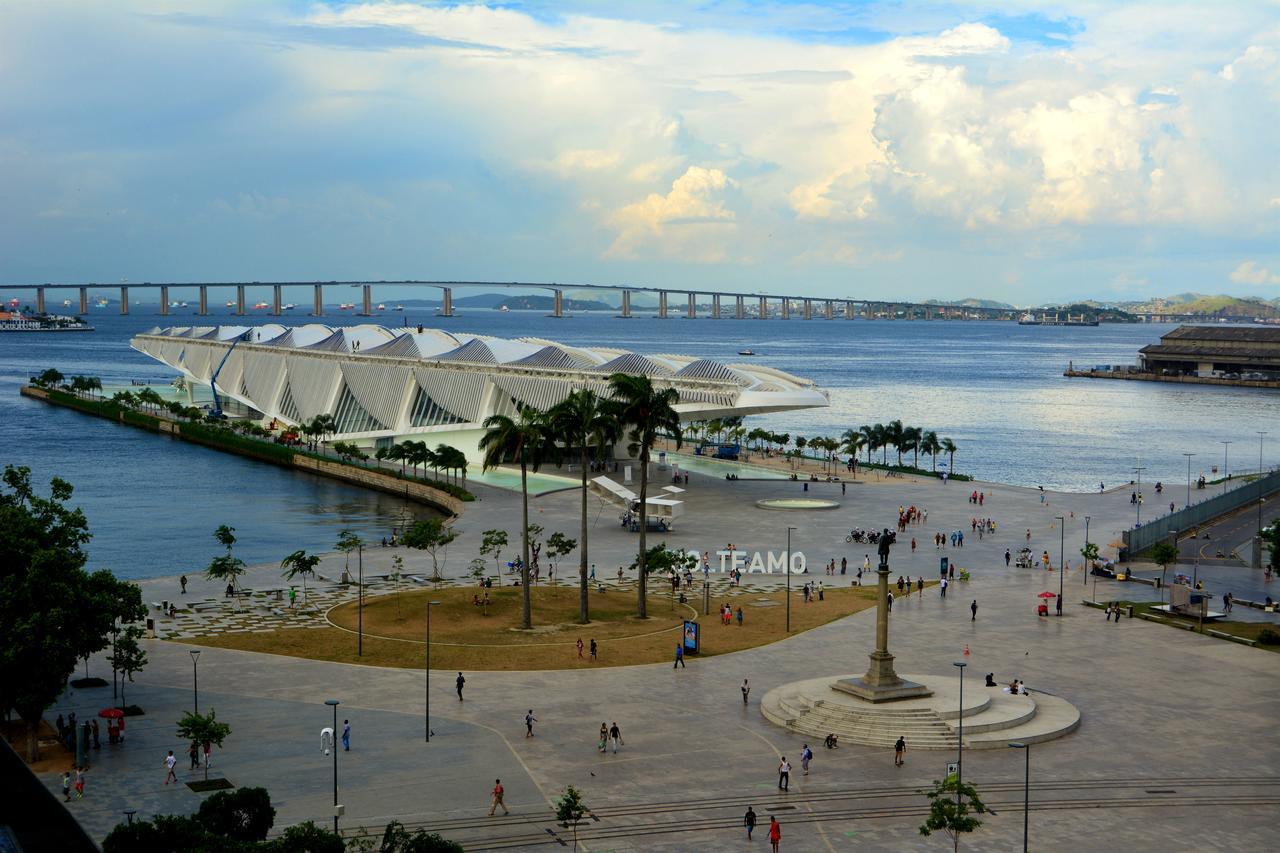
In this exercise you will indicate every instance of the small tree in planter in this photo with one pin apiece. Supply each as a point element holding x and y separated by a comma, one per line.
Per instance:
<point>950,805</point>
<point>226,567</point>
<point>202,729</point>
<point>347,542</point>
<point>431,535</point>
<point>493,543</point>
<point>397,572</point>
<point>128,657</point>
<point>300,563</point>
<point>559,545</point>
<point>1164,555</point>
<point>570,810</point>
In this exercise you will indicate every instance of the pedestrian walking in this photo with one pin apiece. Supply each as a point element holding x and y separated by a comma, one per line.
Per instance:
<point>170,762</point>
<point>1007,555</point>
<point>594,649</point>
<point>775,833</point>
<point>459,682</point>
<point>943,587</point>
<point>529,720</point>
<point>746,691</point>
<point>806,755</point>
<point>889,602</point>
<point>579,645</point>
<point>615,737</point>
<point>497,798</point>
<point>208,753</point>
<point>193,753</point>
<point>1108,613</point>
<point>80,783</point>
<point>346,736</point>
<point>973,608</point>
<point>920,587</point>
<point>182,581</point>
<point>603,741</point>
<point>749,821</point>
<point>66,791</point>
<point>293,597</point>
<point>899,751</point>
<point>679,656</point>
<point>844,564</point>
<point>784,774</point>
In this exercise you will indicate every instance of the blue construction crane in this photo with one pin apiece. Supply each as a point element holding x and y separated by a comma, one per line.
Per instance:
<point>213,380</point>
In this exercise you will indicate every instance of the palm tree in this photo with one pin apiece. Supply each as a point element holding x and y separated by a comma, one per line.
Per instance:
<point>895,434</point>
<point>525,439</point>
<point>582,420</point>
<point>949,447</point>
<point>911,439</point>
<point>645,412</point>
<point>300,563</point>
<point>852,441</point>
<point>929,444</point>
<point>868,439</point>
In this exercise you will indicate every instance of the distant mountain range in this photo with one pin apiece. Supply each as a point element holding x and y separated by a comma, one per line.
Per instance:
<point>1219,305</point>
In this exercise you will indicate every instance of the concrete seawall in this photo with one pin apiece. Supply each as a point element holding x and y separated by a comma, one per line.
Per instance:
<point>352,474</point>
<point>1185,380</point>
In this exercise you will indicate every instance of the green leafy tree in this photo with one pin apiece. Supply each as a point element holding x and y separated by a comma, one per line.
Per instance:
<point>226,567</point>
<point>433,536</point>
<point>895,436</point>
<point>1164,555</point>
<point>584,421</point>
<point>952,804</point>
<point>1089,552</point>
<point>397,573</point>
<point>245,814</point>
<point>559,545</point>
<point>48,378</point>
<point>202,729</point>
<point>397,839</point>
<point>306,838</point>
<point>300,563</point>
<point>930,444</point>
<point>570,811</point>
<point>1271,538</point>
<point>128,657</point>
<point>347,543</point>
<point>526,439</point>
<point>949,448</point>
<point>645,413</point>
<point>491,544</point>
<point>51,609</point>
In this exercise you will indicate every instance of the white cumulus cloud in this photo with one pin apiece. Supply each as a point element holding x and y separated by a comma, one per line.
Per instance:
<point>1252,274</point>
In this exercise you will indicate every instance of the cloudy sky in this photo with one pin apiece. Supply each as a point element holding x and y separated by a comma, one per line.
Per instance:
<point>1017,151</point>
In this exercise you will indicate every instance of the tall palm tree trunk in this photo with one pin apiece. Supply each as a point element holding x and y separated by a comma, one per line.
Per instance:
<point>526,612</point>
<point>641,601</point>
<point>583,616</point>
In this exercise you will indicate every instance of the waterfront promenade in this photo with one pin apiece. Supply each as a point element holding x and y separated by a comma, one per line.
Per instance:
<point>1175,741</point>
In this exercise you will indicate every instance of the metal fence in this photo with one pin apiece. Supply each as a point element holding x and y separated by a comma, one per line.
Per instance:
<point>1142,538</point>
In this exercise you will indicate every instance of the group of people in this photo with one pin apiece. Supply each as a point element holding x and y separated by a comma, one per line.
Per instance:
<point>910,515</point>
<point>594,649</point>
<point>728,614</point>
<point>609,736</point>
<point>979,498</point>
<point>812,591</point>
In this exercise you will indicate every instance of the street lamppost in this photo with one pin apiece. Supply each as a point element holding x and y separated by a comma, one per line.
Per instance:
<point>129,813</point>
<point>195,677</point>
<point>1138,470</point>
<point>1026,793</point>
<point>1062,557</point>
<point>427,670</point>
<point>1188,455</point>
<point>786,568</point>
<point>360,601</point>
<point>1226,471</point>
<point>333,703</point>
<point>1261,433</point>
<point>1088,568</point>
<point>960,735</point>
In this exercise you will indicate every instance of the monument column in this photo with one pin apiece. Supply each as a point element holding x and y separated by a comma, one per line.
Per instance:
<point>881,683</point>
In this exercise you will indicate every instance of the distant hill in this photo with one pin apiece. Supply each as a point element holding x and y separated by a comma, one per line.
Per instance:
<point>547,303</point>
<point>971,302</point>
<point>1220,305</point>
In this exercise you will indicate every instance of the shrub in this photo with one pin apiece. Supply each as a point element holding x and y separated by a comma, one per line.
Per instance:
<point>1268,637</point>
<point>245,814</point>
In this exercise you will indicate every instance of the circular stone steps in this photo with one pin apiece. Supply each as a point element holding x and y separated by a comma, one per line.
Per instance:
<point>992,718</point>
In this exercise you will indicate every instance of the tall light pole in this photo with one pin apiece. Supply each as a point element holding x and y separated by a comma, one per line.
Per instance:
<point>1026,793</point>
<point>1226,471</point>
<point>1261,433</point>
<point>360,601</point>
<point>195,678</point>
<point>1188,455</point>
<point>427,670</point>
<point>1088,568</point>
<point>1138,469</point>
<point>333,703</point>
<point>787,570</point>
<point>960,735</point>
<point>1062,557</point>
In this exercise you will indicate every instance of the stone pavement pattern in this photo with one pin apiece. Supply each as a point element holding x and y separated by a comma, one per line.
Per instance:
<point>1160,709</point>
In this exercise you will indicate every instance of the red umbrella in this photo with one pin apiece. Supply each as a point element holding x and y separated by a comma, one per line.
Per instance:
<point>1047,595</point>
<point>111,713</point>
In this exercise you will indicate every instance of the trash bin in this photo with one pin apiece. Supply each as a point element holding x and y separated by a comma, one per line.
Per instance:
<point>151,627</point>
<point>1129,611</point>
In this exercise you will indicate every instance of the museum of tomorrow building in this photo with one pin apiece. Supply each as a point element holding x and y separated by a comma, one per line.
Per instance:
<point>382,385</point>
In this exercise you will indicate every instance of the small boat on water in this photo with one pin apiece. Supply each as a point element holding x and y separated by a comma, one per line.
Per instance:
<point>260,305</point>
<point>1028,319</point>
<point>381,307</point>
<point>746,352</point>
<point>399,307</point>
<point>102,302</point>
<point>290,307</point>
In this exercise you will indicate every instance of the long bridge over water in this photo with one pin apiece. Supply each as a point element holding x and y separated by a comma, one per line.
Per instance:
<point>807,307</point>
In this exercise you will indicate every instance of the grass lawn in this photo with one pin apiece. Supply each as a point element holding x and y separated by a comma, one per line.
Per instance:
<point>1246,630</point>
<point>464,638</point>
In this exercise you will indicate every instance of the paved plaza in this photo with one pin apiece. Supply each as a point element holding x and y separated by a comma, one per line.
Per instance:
<point>1175,748</point>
